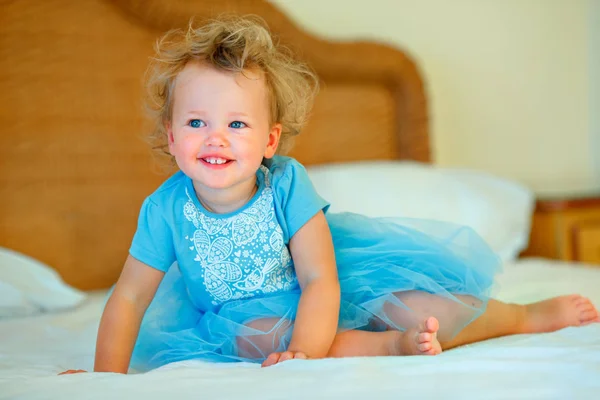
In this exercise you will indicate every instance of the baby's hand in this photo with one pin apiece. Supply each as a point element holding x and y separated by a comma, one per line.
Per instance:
<point>276,358</point>
<point>72,371</point>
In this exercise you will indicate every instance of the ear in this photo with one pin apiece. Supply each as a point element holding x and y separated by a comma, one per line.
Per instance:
<point>170,138</point>
<point>274,136</point>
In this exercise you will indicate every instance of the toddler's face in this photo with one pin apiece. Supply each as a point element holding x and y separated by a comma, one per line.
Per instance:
<point>220,128</point>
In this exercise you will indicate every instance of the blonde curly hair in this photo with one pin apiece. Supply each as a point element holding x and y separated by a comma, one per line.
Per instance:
<point>231,44</point>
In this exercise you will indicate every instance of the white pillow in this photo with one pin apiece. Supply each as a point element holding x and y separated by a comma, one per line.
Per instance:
<point>499,210</point>
<point>28,287</point>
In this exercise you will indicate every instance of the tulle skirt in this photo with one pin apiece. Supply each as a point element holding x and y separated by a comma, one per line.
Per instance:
<point>394,273</point>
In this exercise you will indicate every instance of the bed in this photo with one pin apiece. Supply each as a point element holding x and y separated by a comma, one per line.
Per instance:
<point>74,170</point>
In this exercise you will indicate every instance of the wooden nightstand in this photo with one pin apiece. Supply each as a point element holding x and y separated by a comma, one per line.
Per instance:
<point>567,229</point>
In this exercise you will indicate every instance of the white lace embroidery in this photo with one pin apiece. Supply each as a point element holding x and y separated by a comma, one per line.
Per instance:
<point>243,255</point>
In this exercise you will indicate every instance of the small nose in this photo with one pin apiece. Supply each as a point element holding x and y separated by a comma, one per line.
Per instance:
<point>217,138</point>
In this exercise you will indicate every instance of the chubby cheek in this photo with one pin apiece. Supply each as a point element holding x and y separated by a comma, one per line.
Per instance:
<point>250,151</point>
<point>186,146</point>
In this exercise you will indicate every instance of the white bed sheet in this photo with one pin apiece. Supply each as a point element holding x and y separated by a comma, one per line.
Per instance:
<point>559,365</point>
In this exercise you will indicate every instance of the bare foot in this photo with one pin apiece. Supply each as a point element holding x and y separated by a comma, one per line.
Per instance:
<point>419,341</point>
<point>559,312</point>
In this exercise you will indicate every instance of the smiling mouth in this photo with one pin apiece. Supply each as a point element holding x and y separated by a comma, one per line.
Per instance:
<point>215,161</point>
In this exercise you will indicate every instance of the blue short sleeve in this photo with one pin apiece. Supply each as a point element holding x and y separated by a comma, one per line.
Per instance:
<point>296,198</point>
<point>153,241</point>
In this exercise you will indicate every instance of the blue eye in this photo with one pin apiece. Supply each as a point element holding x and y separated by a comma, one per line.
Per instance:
<point>237,125</point>
<point>196,123</point>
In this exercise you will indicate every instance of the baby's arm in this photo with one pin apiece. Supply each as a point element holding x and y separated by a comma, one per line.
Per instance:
<point>318,312</point>
<point>123,315</point>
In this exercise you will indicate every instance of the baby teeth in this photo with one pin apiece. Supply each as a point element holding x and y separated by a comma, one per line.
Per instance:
<point>214,160</point>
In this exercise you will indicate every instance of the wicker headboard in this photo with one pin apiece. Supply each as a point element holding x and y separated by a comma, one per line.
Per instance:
<point>74,167</point>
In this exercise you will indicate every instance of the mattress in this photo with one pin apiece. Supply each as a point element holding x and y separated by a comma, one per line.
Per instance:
<point>558,365</point>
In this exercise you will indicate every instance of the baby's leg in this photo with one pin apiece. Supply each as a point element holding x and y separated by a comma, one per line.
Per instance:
<point>259,346</point>
<point>420,340</point>
<point>501,319</point>
<point>498,319</point>
<point>421,315</point>
<point>410,308</point>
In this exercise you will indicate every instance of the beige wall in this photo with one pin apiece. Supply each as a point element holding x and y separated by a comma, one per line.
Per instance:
<point>509,80</point>
<point>594,35</point>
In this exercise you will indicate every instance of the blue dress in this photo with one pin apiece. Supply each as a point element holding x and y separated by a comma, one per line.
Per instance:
<point>230,292</point>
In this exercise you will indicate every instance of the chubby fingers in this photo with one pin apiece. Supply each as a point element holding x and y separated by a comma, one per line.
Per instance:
<point>300,356</point>
<point>276,358</point>
<point>72,371</point>
<point>272,359</point>
<point>286,355</point>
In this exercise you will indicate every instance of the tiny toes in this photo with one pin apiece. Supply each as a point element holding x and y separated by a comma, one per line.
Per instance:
<point>589,308</point>
<point>420,340</point>
<point>425,337</point>
<point>432,325</point>
<point>424,346</point>
<point>588,315</point>
<point>581,300</point>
